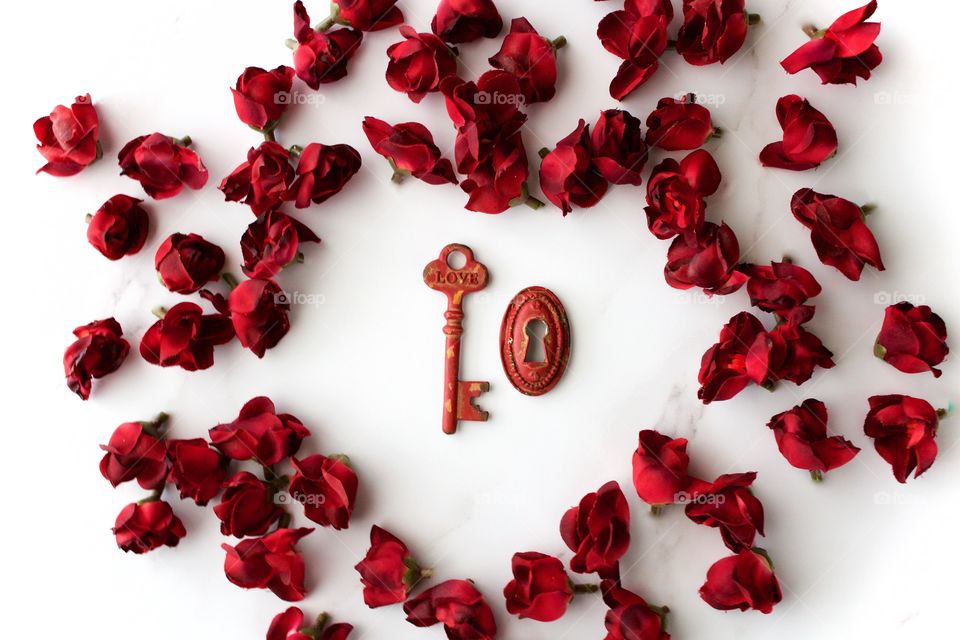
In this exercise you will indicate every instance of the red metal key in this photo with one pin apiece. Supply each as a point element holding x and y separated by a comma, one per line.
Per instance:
<point>456,283</point>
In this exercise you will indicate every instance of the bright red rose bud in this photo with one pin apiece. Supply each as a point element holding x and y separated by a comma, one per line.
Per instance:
<point>795,353</point>
<point>259,433</point>
<point>388,572</point>
<point>119,227</point>
<point>713,30</point>
<point>567,175</point>
<point>263,180</point>
<point>99,350</point>
<point>258,309</point>
<point>327,489</point>
<point>185,338</point>
<point>531,58</point>
<point>187,262</point>
<point>618,149</point>
<point>637,34</point>
<point>729,505</point>
<point>458,606</point>
<point>144,527</point>
<point>69,138</point>
<point>368,15</point>
<point>675,194</point>
<point>802,438</point>
<point>270,562</point>
<point>630,617</point>
<point>272,242</point>
<point>135,452</point>
<point>705,258</point>
<point>321,56</point>
<point>912,339</point>
<point>598,531</point>
<point>410,149</point>
<point>840,236</point>
<point>540,589</point>
<point>744,581</point>
<point>782,289</point>
<point>660,468</point>
<point>808,137</point>
<point>261,97</point>
<point>498,180</point>
<point>322,172</point>
<point>247,507</point>
<point>459,21</point>
<point>842,52</point>
<point>289,626</point>
<point>195,469</point>
<point>162,165</point>
<point>679,125</point>
<point>418,63</point>
<point>904,430</point>
<point>740,356</point>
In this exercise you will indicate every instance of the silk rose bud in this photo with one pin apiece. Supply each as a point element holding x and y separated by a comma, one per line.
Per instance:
<point>630,617</point>
<point>260,96</point>
<point>321,56</point>
<point>744,581</point>
<point>740,356</point>
<point>144,527</point>
<point>289,626</point>
<point>327,489</point>
<point>540,589</point>
<point>531,58</point>
<point>567,175</point>
<point>459,21</point>
<point>187,262</point>
<point>99,350</point>
<point>637,34</point>
<point>842,52</point>
<point>795,353</point>
<point>458,606</point>
<point>388,572</point>
<point>713,30</point>
<point>258,309</point>
<point>259,433</point>
<point>119,227</point>
<point>368,15</point>
<point>247,507</point>
<point>706,258</point>
<point>184,337</point>
<point>263,180</point>
<point>660,469</point>
<point>69,138</point>
<point>598,531</point>
<point>322,172</point>
<point>195,469</point>
<point>676,192</point>
<point>904,430</point>
<point>808,137</point>
<point>162,165</point>
<point>419,63</point>
<point>912,339</point>
<point>618,149</point>
<point>136,452</point>
<point>729,505</point>
<point>271,562</point>
<point>272,242</point>
<point>802,438</point>
<point>679,125</point>
<point>782,289</point>
<point>410,149</point>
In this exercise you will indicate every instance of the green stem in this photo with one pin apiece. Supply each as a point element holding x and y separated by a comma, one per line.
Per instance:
<point>817,475</point>
<point>534,203</point>
<point>153,497</point>
<point>812,31</point>
<point>754,19</point>
<point>185,141</point>
<point>544,152</point>
<point>229,280</point>
<point>160,312</point>
<point>656,509</point>
<point>868,208</point>
<point>559,42</point>
<point>295,150</point>
<point>586,588</point>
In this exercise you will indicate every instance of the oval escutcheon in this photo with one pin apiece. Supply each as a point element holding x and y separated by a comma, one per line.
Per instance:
<point>535,341</point>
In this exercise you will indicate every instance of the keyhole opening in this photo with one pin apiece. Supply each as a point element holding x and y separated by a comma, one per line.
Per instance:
<point>536,331</point>
<point>456,260</point>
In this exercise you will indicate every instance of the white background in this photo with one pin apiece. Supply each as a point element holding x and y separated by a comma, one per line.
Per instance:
<point>858,556</point>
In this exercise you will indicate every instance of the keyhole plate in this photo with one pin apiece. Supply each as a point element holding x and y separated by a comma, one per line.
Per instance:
<point>532,304</point>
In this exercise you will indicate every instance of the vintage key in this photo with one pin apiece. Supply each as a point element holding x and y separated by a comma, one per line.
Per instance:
<point>458,395</point>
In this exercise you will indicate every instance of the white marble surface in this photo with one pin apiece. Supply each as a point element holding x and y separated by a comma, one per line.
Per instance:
<point>859,556</point>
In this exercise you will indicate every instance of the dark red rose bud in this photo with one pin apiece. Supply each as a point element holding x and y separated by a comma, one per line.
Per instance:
<point>531,58</point>
<point>567,175</point>
<point>289,626</point>
<point>327,489</point>
<point>187,262</point>
<point>795,353</point>
<point>69,138</point>
<point>259,433</point>
<point>388,571</point>
<point>630,617</point>
<point>598,530</point>
<point>840,236</point>
<point>744,581</point>
<point>675,194</point>
<point>740,356</point>
<point>258,309</point>
<point>270,562</point>
<point>904,430</point>
<point>419,63</point>
<point>706,258</point>
<point>802,438</point>
<point>99,350</point>
<point>119,227</point>
<point>712,30</point>
<point>679,125</point>
<point>808,137</point>
<point>410,149</point>
<point>618,149</point>
<point>842,52</point>
<point>271,242</point>
<point>322,172</point>
<point>458,605</point>
<point>782,289</point>
<point>540,589</point>
<point>185,338</point>
<point>162,165</point>
<point>368,15</point>
<point>263,180</point>
<point>660,468</point>
<point>484,113</point>
<point>144,527</point>
<point>247,507</point>
<point>498,180</point>
<point>459,21</point>
<point>134,454</point>
<point>729,505</point>
<point>261,97</point>
<point>912,339</point>
<point>321,56</point>
<point>638,35</point>
<point>195,469</point>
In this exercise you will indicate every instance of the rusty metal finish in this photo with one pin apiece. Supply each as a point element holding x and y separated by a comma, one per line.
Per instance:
<point>458,395</point>
<point>528,374</point>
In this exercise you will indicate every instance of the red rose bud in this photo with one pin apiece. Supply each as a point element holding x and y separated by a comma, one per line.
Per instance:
<point>729,505</point>
<point>531,58</point>
<point>618,149</point>
<point>258,309</point>
<point>322,172</point>
<point>187,262</point>
<point>327,489</point>
<point>368,15</point>
<point>904,430</point>
<point>840,236</point>
<point>459,21</point>
<point>802,438</point>
<point>675,194</point>
<point>162,165</point>
<point>144,527</point>
<point>712,30</point>
<point>185,338</point>
<point>418,63</point>
<point>410,149</point>
<point>637,35</point>
<point>484,112</point>
<point>660,468</point>
<point>99,350</point>
<point>706,258</point>
<point>630,617</point>
<point>808,137</point>
<point>247,507</point>
<point>259,433</point>
<point>567,175</point>
<point>744,581</point>
<point>598,530</point>
<point>842,52</point>
<point>499,179</point>
<point>119,227</point>
<point>388,572</point>
<point>795,353</point>
<point>321,56</point>
<point>263,180</point>
<point>912,339</point>
<point>135,452</point>
<point>458,605</point>
<point>69,138</point>
<point>261,96</point>
<point>195,469</point>
<point>740,356</point>
<point>679,125</point>
<point>289,626</point>
<point>272,242</point>
<point>271,562</point>
<point>782,289</point>
<point>540,589</point>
